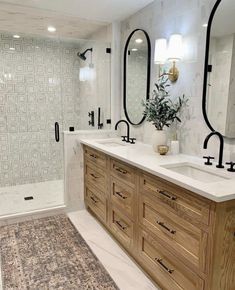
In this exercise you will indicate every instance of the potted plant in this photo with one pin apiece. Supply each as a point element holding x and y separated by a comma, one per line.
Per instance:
<point>162,111</point>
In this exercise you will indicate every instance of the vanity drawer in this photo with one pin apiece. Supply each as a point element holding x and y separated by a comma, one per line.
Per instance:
<point>96,201</point>
<point>184,239</point>
<point>123,171</point>
<point>177,199</point>
<point>166,269</point>
<point>121,227</point>
<point>95,157</point>
<point>122,196</point>
<point>95,176</point>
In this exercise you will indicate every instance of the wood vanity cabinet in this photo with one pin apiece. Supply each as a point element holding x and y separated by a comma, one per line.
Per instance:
<point>182,240</point>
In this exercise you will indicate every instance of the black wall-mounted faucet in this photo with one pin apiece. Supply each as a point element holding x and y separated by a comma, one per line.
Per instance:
<point>92,120</point>
<point>221,150</point>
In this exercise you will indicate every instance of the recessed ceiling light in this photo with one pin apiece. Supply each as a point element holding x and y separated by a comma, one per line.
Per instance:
<point>139,40</point>
<point>51,29</point>
<point>134,49</point>
<point>16,36</point>
<point>12,48</point>
<point>204,25</point>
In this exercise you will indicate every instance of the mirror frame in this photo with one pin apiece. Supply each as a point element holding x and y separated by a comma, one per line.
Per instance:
<point>125,73</point>
<point>208,35</point>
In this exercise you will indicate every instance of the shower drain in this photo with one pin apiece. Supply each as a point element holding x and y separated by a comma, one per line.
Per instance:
<point>28,198</point>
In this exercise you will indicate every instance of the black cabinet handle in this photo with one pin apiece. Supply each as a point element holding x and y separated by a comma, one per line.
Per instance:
<point>166,228</point>
<point>166,194</point>
<point>123,227</point>
<point>160,261</point>
<point>120,195</point>
<point>57,132</point>
<point>93,199</point>
<point>123,171</point>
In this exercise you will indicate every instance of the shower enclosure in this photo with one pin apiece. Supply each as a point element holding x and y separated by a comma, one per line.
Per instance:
<point>41,84</point>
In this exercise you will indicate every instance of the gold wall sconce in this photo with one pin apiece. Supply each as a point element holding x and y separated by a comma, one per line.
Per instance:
<point>173,52</point>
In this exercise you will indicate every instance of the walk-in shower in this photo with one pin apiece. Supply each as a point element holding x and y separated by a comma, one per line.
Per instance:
<point>40,87</point>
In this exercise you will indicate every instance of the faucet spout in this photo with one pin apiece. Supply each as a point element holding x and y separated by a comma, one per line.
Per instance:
<point>221,150</point>
<point>128,128</point>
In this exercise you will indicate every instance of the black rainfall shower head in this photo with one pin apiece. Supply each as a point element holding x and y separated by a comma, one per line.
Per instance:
<point>83,55</point>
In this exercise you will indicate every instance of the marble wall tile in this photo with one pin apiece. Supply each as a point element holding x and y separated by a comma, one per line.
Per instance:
<point>161,19</point>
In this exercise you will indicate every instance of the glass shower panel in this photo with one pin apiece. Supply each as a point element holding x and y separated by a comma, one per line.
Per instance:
<point>40,85</point>
<point>31,171</point>
<point>95,89</point>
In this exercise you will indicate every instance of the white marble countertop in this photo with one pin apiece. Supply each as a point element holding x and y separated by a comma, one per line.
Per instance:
<point>143,157</point>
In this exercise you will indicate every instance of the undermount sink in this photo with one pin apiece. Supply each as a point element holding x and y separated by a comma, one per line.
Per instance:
<point>111,143</point>
<point>196,172</point>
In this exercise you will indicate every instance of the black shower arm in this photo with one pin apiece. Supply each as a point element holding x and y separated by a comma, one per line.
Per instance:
<point>89,49</point>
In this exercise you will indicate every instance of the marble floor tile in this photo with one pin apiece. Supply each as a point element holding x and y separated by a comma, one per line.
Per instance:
<point>124,271</point>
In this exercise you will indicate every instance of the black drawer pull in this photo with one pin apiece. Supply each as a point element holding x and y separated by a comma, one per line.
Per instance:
<point>93,199</point>
<point>94,176</point>
<point>166,194</point>
<point>94,156</point>
<point>121,170</point>
<point>120,225</point>
<point>166,228</point>
<point>121,195</point>
<point>164,266</point>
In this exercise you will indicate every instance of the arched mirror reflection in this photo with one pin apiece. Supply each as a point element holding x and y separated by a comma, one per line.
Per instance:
<point>137,56</point>
<point>219,86</point>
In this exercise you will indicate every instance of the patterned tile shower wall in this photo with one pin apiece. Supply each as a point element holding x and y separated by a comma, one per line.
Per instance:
<point>39,85</point>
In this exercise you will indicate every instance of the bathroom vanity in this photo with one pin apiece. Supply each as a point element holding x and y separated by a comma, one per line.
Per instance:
<point>181,231</point>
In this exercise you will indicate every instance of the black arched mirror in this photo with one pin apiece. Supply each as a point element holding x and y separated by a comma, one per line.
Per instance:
<point>219,75</point>
<point>137,65</point>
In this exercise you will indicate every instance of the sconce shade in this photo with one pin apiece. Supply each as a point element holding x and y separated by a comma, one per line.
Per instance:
<point>175,48</point>
<point>160,54</point>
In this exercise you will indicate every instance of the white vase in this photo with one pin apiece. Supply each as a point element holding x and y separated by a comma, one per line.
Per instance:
<point>159,138</point>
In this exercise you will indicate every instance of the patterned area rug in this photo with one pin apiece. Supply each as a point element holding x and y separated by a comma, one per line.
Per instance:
<point>49,253</point>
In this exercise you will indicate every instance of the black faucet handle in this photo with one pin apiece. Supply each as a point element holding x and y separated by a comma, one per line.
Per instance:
<point>124,138</point>
<point>132,140</point>
<point>232,165</point>
<point>208,158</point>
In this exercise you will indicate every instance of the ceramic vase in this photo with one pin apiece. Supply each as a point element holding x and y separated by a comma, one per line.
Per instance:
<point>159,138</point>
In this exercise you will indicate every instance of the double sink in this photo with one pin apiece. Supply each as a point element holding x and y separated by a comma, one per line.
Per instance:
<point>192,170</point>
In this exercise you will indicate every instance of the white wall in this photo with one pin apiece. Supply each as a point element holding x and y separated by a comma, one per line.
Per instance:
<point>161,19</point>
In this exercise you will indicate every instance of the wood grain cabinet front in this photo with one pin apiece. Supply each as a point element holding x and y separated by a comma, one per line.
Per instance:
<point>95,157</point>
<point>187,241</point>
<point>96,176</point>
<point>174,198</point>
<point>123,197</point>
<point>124,172</point>
<point>121,227</point>
<point>96,201</point>
<point>167,270</point>
<point>182,240</point>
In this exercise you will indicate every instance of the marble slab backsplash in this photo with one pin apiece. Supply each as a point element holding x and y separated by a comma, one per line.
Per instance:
<point>161,19</point>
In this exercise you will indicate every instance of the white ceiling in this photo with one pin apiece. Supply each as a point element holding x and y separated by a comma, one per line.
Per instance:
<point>21,20</point>
<point>94,10</point>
